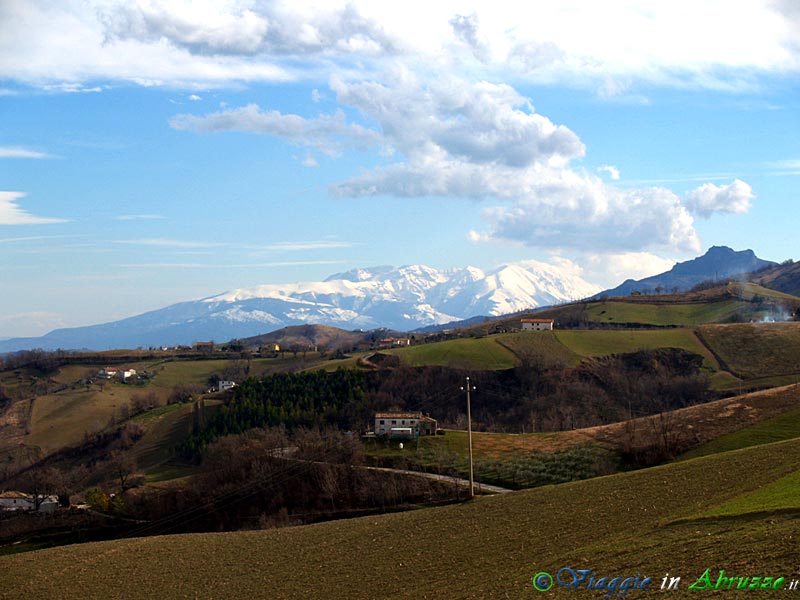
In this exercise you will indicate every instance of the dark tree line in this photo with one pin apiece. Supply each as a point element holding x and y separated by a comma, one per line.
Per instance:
<point>292,400</point>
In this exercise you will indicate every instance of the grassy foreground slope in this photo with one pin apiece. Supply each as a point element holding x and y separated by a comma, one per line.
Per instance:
<point>647,522</point>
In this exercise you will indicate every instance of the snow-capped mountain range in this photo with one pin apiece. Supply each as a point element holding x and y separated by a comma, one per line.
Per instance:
<point>404,299</point>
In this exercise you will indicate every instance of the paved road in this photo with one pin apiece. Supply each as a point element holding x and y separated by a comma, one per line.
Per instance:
<point>286,454</point>
<point>479,487</point>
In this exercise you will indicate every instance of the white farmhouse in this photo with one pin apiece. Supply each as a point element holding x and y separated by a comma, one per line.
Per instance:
<point>537,324</point>
<point>225,385</point>
<point>399,425</point>
<point>16,501</point>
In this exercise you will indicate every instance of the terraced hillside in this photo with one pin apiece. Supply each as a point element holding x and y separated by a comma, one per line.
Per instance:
<point>682,518</point>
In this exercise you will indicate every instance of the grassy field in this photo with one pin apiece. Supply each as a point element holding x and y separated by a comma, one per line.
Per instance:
<point>748,290</point>
<point>168,374</point>
<point>64,418</point>
<point>467,353</point>
<point>755,350</point>
<point>542,345</point>
<point>615,311</point>
<point>779,495</point>
<point>603,342</point>
<point>490,548</point>
<point>782,427</point>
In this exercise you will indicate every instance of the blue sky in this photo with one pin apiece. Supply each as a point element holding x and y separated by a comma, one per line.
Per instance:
<point>153,152</point>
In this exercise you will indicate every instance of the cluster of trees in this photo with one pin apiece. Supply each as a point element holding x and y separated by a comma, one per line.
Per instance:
<point>293,400</point>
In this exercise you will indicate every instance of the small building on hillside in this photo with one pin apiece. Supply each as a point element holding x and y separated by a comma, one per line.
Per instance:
<point>404,425</point>
<point>48,505</point>
<point>126,374</point>
<point>204,347</point>
<point>225,385</point>
<point>12,500</point>
<point>537,324</point>
<point>391,342</point>
<point>107,372</point>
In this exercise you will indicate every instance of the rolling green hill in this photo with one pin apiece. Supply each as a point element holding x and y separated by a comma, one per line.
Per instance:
<point>756,350</point>
<point>648,523</point>
<point>599,342</point>
<point>467,353</point>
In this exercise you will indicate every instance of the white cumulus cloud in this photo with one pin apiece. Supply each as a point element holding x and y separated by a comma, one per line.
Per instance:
<point>709,199</point>
<point>573,210</point>
<point>450,118</point>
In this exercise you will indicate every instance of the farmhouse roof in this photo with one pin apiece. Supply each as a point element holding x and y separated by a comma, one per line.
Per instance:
<point>403,415</point>
<point>537,320</point>
<point>11,495</point>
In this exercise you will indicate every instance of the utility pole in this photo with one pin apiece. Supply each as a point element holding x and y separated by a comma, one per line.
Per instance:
<point>469,388</point>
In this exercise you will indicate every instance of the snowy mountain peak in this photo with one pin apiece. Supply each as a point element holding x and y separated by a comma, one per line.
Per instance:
<point>403,298</point>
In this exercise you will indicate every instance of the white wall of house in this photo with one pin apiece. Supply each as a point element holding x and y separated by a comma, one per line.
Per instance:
<point>17,502</point>
<point>537,326</point>
<point>384,425</point>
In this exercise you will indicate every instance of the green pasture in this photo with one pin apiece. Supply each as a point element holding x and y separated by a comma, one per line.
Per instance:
<point>598,342</point>
<point>756,350</point>
<point>465,353</point>
<point>647,313</point>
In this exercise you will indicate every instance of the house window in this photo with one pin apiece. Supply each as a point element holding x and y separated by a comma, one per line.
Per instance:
<point>394,422</point>
<point>381,421</point>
